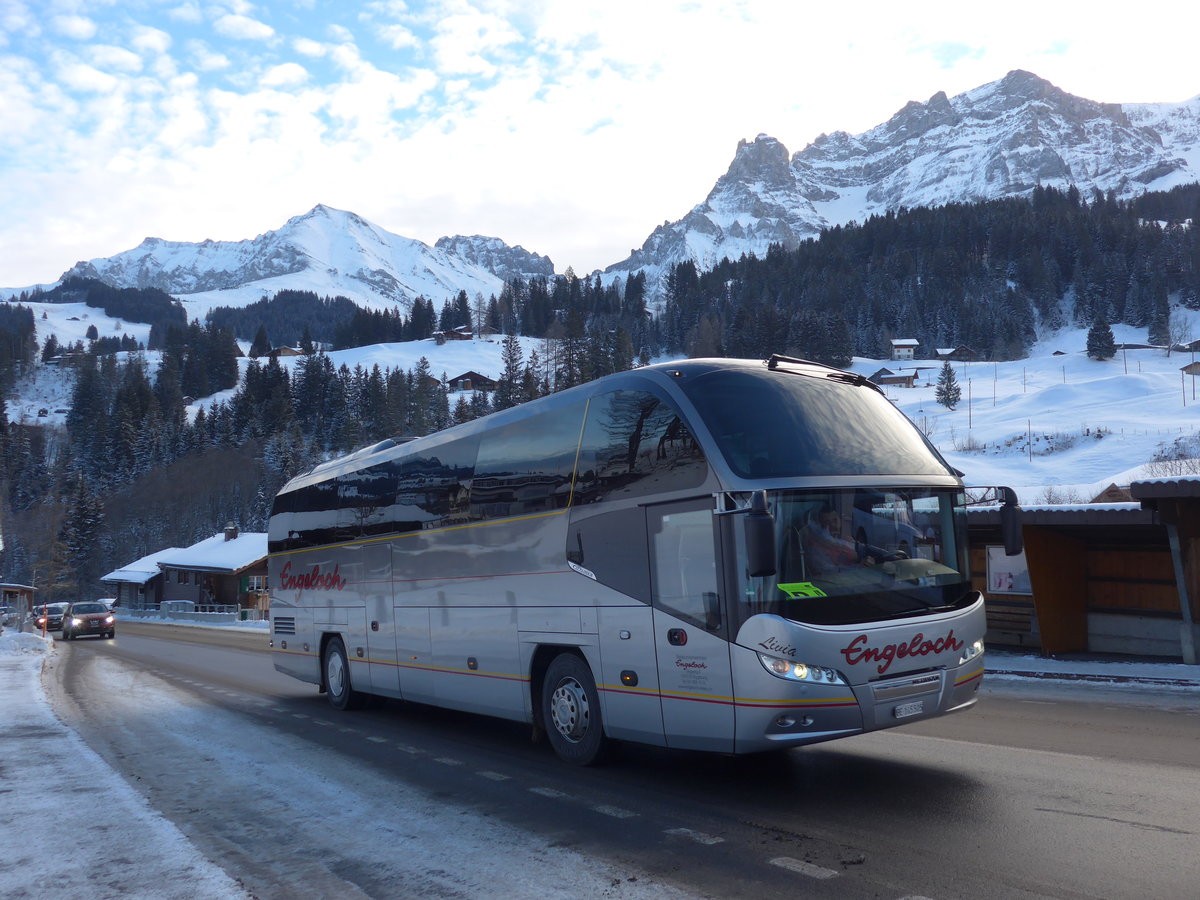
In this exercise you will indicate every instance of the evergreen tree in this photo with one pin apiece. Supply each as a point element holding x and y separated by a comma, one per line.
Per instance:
<point>948,393</point>
<point>509,390</point>
<point>1100,342</point>
<point>50,350</point>
<point>261,345</point>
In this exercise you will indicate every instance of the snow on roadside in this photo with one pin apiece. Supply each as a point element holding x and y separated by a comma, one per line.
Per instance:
<point>57,789</point>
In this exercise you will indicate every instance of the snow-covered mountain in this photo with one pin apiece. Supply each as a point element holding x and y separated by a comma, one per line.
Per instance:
<point>326,250</point>
<point>1002,139</point>
<point>999,140</point>
<point>497,257</point>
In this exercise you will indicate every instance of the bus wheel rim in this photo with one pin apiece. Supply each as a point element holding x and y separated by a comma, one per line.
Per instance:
<point>335,674</point>
<point>570,710</point>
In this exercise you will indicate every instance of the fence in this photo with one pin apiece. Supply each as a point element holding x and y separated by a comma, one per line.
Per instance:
<point>184,611</point>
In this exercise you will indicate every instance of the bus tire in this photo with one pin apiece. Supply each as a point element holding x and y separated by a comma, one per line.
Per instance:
<point>335,670</point>
<point>571,712</point>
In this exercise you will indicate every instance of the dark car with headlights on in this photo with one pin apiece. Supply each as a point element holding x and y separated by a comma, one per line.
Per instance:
<point>88,617</point>
<point>50,616</point>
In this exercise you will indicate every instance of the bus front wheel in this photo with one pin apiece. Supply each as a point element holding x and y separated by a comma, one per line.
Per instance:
<point>571,712</point>
<point>337,677</point>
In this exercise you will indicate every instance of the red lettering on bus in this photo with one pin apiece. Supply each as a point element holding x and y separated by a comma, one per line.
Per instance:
<point>858,650</point>
<point>311,580</point>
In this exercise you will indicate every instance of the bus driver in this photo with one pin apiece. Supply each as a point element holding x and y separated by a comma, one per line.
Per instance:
<point>827,551</point>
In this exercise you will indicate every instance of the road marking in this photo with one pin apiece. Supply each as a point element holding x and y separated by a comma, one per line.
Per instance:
<point>698,836</point>
<point>322,722</point>
<point>615,811</point>
<point>494,776</point>
<point>448,760</point>
<point>377,739</point>
<point>549,792</point>
<point>804,868</point>
<point>405,748</point>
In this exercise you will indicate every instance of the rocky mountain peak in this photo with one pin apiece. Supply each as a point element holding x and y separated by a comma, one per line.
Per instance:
<point>497,257</point>
<point>1001,139</point>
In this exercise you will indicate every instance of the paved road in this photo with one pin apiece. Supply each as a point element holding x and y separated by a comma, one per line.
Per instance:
<point>1039,792</point>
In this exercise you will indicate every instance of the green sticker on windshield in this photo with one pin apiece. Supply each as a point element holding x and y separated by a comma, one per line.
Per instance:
<point>797,589</point>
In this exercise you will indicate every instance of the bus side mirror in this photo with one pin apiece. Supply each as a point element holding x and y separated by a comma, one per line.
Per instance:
<point>759,527</point>
<point>1010,523</point>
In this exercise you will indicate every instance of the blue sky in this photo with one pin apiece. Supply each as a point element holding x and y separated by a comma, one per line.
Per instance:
<point>571,127</point>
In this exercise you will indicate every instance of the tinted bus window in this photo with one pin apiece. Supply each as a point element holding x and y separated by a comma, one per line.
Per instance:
<point>636,444</point>
<point>525,468</point>
<point>779,424</point>
<point>433,488</point>
<point>305,517</point>
<point>365,502</point>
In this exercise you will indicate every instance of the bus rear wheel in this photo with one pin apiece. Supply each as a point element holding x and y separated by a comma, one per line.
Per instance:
<point>571,712</point>
<point>336,669</point>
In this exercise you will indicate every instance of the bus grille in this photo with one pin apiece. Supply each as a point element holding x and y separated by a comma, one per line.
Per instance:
<point>284,624</point>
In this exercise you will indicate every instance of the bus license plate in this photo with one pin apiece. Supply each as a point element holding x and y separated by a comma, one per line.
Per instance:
<point>904,710</point>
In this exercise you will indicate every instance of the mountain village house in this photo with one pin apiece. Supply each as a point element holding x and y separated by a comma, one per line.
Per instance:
<point>226,570</point>
<point>887,376</point>
<point>471,381</point>
<point>904,348</point>
<point>139,585</point>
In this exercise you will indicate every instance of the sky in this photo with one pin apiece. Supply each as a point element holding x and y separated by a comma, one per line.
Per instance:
<point>570,127</point>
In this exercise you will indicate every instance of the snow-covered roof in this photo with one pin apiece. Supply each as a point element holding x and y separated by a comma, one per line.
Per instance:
<point>142,570</point>
<point>215,554</point>
<point>905,342</point>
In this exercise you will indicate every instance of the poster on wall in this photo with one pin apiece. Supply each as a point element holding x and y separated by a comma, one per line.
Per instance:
<point>1007,574</point>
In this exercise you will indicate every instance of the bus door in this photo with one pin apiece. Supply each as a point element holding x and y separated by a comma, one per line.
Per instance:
<point>377,597</point>
<point>362,577</point>
<point>690,631</point>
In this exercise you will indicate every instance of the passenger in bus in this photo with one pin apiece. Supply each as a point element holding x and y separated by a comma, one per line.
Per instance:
<point>826,551</point>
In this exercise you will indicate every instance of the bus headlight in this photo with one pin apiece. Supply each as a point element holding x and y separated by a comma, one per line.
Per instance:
<point>972,651</point>
<point>791,670</point>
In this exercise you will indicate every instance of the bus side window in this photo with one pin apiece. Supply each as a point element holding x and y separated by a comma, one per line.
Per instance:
<point>683,564</point>
<point>635,444</point>
<point>525,468</point>
<point>612,546</point>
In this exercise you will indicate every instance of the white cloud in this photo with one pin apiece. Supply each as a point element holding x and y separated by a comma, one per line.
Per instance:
<point>188,13</point>
<point>205,58</point>
<point>464,41</point>
<point>150,40</point>
<point>398,37</point>
<point>285,75</point>
<point>81,28</point>
<point>82,77</point>
<point>243,28</point>
<point>109,57</point>
<point>308,47</point>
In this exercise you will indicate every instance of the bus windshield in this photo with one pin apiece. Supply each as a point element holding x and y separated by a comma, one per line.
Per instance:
<point>864,555</point>
<point>780,424</point>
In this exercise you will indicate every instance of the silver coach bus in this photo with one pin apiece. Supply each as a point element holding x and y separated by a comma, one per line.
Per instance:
<point>724,555</point>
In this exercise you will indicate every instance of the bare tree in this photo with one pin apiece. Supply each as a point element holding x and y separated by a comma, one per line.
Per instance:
<point>1179,331</point>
